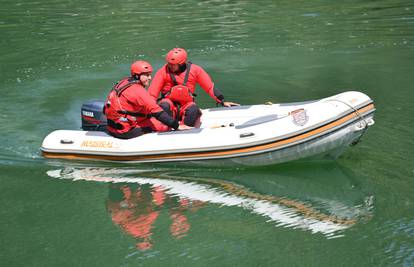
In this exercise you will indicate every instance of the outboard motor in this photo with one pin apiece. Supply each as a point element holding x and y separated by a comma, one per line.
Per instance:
<point>93,118</point>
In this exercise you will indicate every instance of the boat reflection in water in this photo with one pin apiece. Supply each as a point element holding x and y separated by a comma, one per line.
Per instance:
<point>137,198</point>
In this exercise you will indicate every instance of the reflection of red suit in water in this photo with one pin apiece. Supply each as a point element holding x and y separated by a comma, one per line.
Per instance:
<point>137,217</point>
<point>137,225</point>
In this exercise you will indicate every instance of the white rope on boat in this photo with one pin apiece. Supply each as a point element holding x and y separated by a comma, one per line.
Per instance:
<point>359,116</point>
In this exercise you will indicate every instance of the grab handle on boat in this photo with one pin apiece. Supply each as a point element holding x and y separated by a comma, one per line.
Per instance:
<point>243,135</point>
<point>66,141</point>
<point>222,126</point>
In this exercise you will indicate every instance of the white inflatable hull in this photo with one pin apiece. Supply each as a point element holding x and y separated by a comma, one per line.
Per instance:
<point>246,135</point>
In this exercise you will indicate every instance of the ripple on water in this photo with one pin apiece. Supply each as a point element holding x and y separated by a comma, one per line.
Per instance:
<point>399,240</point>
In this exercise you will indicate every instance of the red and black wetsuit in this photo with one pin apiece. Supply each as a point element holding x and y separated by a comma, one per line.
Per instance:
<point>189,75</point>
<point>131,111</point>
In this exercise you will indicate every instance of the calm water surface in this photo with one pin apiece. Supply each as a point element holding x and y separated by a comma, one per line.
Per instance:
<point>355,211</point>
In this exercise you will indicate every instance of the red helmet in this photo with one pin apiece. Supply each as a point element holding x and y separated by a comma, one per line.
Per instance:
<point>139,67</point>
<point>176,56</point>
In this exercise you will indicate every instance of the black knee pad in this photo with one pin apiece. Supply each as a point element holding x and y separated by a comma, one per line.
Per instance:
<point>191,115</point>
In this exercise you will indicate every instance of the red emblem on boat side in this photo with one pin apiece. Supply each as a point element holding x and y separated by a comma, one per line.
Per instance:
<point>300,117</point>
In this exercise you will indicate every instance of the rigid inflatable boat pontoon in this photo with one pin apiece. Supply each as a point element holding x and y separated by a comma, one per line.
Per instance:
<point>242,135</point>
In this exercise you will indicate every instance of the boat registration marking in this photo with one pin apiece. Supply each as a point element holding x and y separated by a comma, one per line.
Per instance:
<point>99,144</point>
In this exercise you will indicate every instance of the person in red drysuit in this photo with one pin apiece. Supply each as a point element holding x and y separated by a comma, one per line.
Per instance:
<point>176,82</point>
<point>131,111</point>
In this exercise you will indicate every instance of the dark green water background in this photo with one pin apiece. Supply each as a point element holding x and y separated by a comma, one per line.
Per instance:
<point>54,55</point>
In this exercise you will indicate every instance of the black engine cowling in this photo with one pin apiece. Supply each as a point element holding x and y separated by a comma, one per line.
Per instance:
<point>93,118</point>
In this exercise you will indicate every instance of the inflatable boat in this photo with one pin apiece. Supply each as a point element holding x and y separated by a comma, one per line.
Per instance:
<point>241,135</point>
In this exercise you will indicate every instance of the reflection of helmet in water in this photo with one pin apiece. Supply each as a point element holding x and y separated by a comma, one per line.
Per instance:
<point>144,245</point>
<point>139,67</point>
<point>176,56</point>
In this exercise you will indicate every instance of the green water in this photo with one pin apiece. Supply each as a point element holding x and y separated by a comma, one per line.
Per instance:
<point>55,55</point>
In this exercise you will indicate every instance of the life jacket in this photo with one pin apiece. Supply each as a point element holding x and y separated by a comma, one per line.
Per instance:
<point>180,93</point>
<point>117,116</point>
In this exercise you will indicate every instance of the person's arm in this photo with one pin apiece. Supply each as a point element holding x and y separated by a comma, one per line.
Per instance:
<point>156,84</point>
<point>205,82</point>
<point>157,112</point>
<point>207,85</point>
<point>229,104</point>
<point>163,117</point>
<point>147,103</point>
<point>170,122</point>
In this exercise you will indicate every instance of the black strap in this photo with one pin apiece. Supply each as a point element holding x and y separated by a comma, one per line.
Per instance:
<point>134,132</point>
<point>187,73</point>
<point>135,114</point>
<point>173,78</point>
<point>122,88</point>
<point>114,124</point>
<point>118,94</point>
